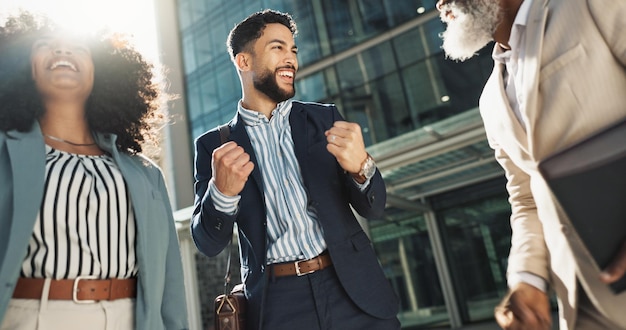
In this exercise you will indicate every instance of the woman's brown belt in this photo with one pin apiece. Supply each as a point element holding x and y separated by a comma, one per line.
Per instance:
<point>83,289</point>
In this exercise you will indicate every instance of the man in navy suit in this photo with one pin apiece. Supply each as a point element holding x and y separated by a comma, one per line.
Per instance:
<point>288,177</point>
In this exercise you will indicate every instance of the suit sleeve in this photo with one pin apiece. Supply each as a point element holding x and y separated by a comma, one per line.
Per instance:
<point>528,249</point>
<point>211,229</point>
<point>369,203</point>
<point>174,306</point>
<point>609,18</point>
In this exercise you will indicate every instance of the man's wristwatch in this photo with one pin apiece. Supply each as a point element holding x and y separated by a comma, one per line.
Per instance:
<point>368,168</point>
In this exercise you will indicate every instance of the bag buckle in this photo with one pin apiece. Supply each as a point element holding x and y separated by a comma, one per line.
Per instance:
<point>226,300</point>
<point>75,289</point>
<point>298,272</point>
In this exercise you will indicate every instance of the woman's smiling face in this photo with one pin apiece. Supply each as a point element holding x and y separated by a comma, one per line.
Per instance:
<point>62,63</point>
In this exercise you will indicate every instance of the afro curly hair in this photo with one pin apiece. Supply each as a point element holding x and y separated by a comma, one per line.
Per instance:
<point>125,100</point>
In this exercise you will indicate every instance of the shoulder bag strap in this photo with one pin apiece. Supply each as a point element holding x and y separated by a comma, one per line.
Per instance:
<point>224,133</point>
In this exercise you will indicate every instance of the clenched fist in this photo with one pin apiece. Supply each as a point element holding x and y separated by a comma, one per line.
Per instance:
<point>345,142</point>
<point>231,167</point>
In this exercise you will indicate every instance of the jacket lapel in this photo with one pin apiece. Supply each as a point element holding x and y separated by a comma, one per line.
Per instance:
<point>535,28</point>
<point>28,160</point>
<point>139,193</point>
<point>297,120</point>
<point>497,112</point>
<point>240,136</point>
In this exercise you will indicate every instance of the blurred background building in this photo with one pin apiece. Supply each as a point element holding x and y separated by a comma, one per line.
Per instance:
<point>445,235</point>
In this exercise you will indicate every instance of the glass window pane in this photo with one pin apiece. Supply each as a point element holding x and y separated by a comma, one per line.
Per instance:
<point>311,88</point>
<point>369,65</point>
<point>373,17</point>
<point>219,32</point>
<point>378,61</point>
<point>409,46</point>
<point>307,39</point>
<point>404,10</point>
<point>189,54</point>
<point>351,72</point>
<point>210,99</point>
<point>463,81</point>
<point>184,14</point>
<point>405,252</point>
<point>228,85</point>
<point>194,102</point>
<point>432,36</point>
<point>339,24</point>
<point>419,43</point>
<point>332,83</point>
<point>379,107</point>
<point>391,103</point>
<point>478,238</point>
<point>204,51</point>
<point>198,11</point>
<point>424,90</point>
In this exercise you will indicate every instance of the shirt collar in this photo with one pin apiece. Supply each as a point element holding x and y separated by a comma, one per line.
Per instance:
<point>521,20</point>
<point>522,13</point>
<point>255,118</point>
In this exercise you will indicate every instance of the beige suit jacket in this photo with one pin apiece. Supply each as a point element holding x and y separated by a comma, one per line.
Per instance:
<point>574,80</point>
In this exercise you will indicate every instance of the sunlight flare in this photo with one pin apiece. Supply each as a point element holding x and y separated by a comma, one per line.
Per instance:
<point>134,18</point>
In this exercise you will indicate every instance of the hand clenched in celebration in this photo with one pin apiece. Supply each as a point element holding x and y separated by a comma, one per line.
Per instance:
<point>345,142</point>
<point>231,167</point>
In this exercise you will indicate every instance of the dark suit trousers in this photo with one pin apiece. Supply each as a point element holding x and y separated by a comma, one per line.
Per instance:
<point>316,301</point>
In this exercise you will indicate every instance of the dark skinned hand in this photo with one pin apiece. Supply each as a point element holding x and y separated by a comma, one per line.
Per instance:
<point>616,269</point>
<point>524,307</point>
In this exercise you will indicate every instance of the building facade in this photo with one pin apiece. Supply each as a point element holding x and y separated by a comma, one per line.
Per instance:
<point>445,235</point>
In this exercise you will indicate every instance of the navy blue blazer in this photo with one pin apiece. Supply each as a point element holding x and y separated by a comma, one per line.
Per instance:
<point>330,190</point>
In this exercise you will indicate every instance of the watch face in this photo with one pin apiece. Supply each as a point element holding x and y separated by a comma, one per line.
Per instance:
<point>369,168</point>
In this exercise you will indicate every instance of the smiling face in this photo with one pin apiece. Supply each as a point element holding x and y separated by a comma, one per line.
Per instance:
<point>62,66</point>
<point>471,25</point>
<point>274,63</point>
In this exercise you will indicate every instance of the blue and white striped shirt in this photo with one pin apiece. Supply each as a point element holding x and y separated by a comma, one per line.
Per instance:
<point>293,232</point>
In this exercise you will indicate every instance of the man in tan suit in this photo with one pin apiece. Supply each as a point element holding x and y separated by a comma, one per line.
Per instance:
<point>559,76</point>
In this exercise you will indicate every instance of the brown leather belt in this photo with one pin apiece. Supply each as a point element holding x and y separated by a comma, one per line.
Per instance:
<point>83,289</point>
<point>301,267</point>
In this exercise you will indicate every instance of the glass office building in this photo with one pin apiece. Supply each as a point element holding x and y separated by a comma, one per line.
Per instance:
<point>445,235</point>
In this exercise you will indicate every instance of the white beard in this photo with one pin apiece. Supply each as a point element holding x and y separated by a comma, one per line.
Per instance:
<point>472,27</point>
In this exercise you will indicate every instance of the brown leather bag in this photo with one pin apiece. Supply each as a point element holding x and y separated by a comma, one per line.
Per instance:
<point>230,310</point>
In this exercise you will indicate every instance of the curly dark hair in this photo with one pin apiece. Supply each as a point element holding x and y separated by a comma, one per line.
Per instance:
<point>125,100</point>
<point>251,28</point>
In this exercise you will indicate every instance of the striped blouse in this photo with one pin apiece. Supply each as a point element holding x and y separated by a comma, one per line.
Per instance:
<point>85,224</point>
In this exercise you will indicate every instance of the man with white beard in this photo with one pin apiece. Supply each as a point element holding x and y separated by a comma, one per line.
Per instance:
<point>559,77</point>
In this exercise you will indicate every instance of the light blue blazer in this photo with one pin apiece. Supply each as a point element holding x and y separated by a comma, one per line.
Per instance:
<point>160,302</point>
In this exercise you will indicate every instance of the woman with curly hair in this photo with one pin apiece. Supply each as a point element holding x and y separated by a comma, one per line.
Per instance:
<point>87,235</point>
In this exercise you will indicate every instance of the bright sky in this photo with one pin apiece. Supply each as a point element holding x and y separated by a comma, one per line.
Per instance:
<point>133,17</point>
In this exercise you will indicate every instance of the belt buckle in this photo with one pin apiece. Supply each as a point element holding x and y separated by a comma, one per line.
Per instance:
<point>75,289</point>
<point>297,265</point>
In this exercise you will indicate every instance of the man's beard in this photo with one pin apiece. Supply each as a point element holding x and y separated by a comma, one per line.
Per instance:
<point>472,28</point>
<point>266,84</point>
